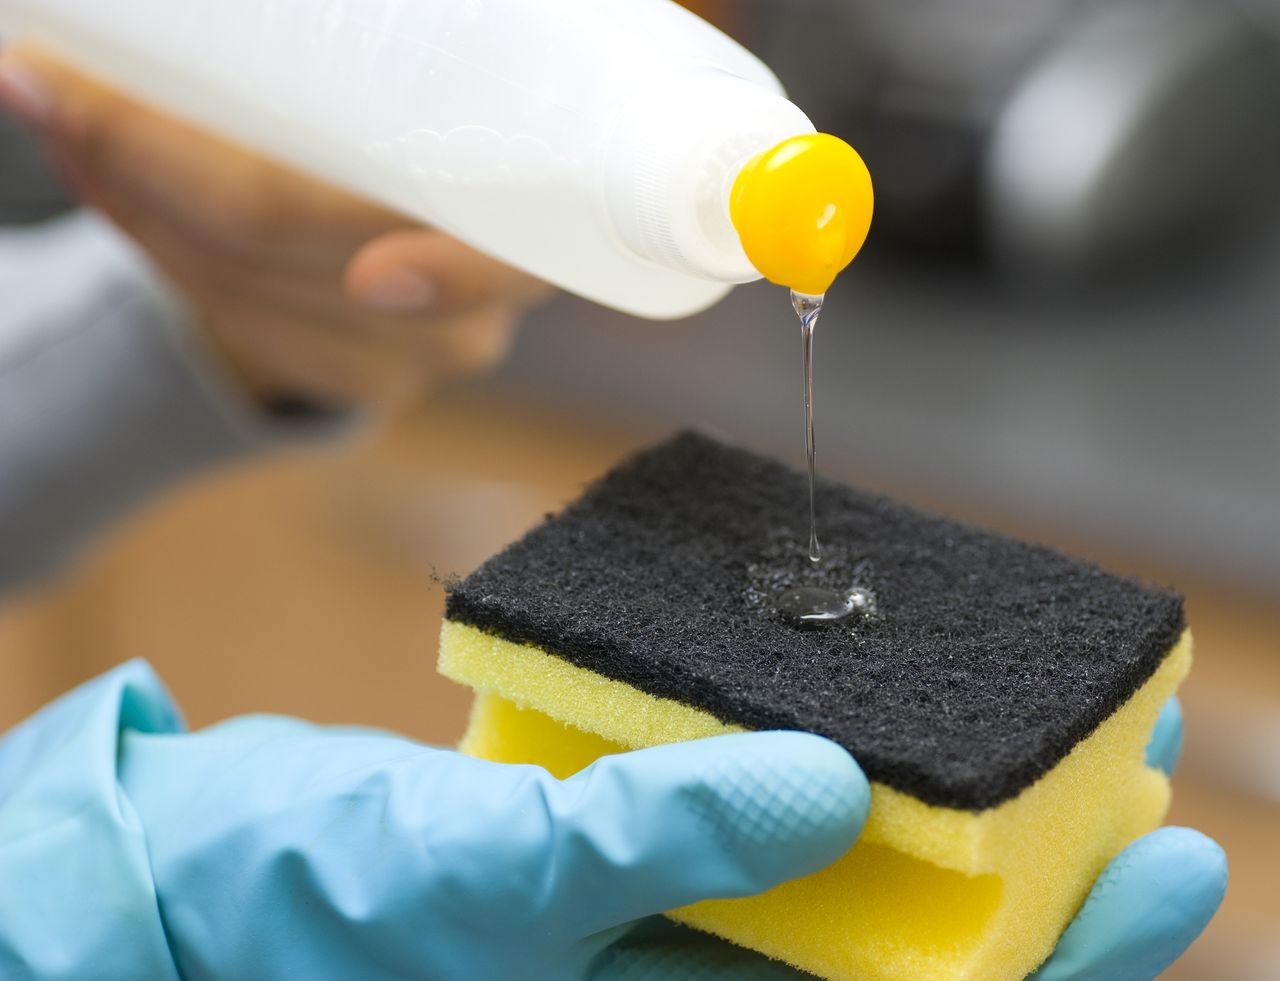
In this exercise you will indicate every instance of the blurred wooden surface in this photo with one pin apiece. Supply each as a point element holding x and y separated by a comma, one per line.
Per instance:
<point>308,586</point>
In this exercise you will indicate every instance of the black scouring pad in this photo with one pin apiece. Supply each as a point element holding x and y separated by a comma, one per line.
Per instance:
<point>984,662</point>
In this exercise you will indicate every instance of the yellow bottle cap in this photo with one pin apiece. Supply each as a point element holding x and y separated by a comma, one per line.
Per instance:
<point>803,210</point>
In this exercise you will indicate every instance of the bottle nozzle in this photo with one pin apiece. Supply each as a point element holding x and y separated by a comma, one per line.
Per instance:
<point>803,211</point>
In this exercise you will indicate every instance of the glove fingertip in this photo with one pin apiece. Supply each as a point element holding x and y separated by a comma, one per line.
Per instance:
<point>1201,866</point>
<point>1148,906</point>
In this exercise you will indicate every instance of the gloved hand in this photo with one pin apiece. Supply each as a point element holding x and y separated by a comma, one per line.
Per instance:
<point>281,850</point>
<point>278,849</point>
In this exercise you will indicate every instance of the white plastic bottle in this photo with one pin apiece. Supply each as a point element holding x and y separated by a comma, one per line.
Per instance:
<point>592,143</point>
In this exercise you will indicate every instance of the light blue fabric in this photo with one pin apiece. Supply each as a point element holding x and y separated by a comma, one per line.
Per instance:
<point>268,848</point>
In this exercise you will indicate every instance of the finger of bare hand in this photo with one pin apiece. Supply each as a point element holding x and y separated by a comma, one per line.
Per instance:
<point>413,271</point>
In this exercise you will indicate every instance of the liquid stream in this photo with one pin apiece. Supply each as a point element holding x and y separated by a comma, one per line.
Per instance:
<point>813,605</point>
<point>809,309</point>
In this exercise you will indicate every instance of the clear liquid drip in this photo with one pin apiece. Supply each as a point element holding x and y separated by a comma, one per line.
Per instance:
<point>808,309</point>
<point>818,605</point>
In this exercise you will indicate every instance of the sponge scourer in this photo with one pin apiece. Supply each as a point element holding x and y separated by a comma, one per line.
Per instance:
<point>999,698</point>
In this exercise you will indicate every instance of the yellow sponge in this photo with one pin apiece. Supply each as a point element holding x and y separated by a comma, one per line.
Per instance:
<point>929,892</point>
<point>998,695</point>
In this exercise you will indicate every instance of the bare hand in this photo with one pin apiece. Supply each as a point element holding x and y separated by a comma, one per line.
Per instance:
<point>305,290</point>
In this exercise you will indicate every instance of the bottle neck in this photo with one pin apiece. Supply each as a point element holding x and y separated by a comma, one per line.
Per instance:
<point>675,153</point>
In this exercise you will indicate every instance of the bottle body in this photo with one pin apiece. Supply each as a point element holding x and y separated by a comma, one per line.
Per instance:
<point>503,122</point>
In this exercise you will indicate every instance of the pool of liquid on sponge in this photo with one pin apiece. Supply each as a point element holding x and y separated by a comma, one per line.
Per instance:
<point>812,605</point>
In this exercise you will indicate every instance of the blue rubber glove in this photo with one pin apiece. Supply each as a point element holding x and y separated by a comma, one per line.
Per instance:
<point>269,848</point>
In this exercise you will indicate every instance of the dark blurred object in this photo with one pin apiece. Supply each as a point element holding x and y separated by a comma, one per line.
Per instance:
<point>28,190</point>
<point>1066,135</point>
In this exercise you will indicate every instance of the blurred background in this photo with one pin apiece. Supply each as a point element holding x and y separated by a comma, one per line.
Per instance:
<point>1066,326</point>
